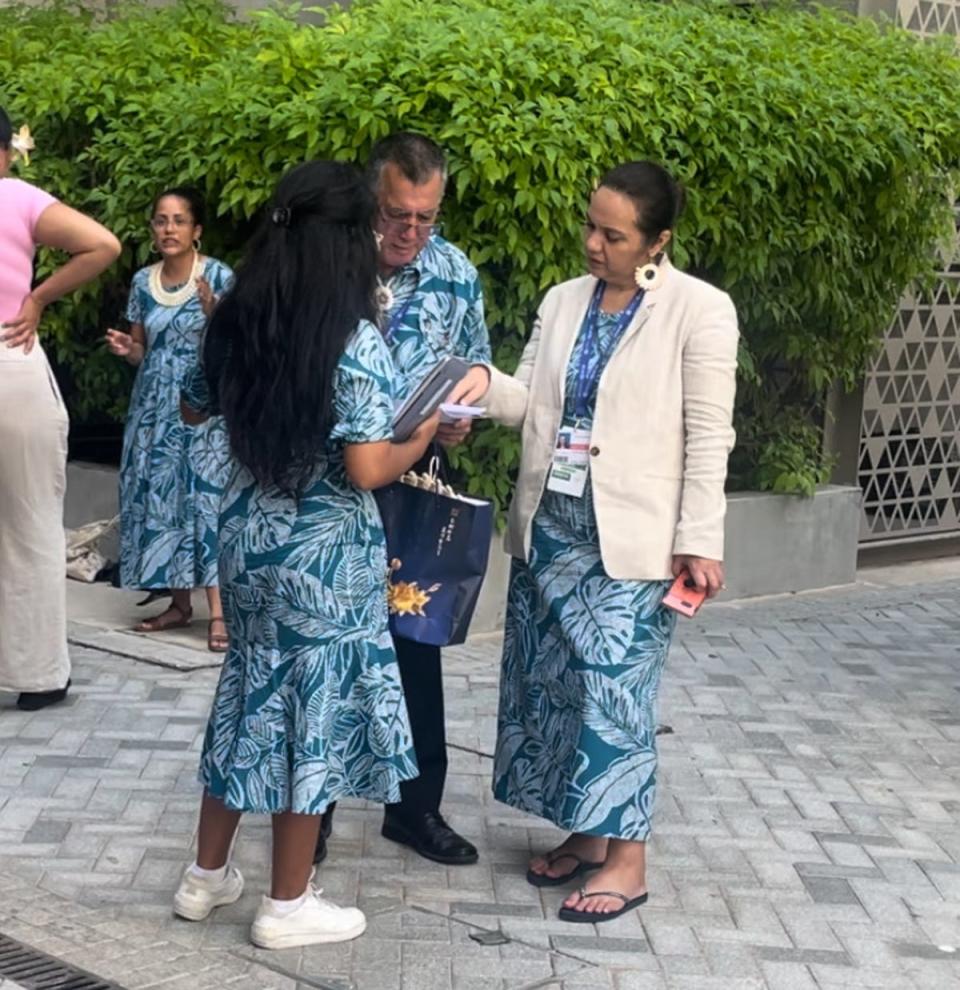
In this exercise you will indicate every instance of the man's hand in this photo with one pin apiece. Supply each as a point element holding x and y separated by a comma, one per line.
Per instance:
<point>707,574</point>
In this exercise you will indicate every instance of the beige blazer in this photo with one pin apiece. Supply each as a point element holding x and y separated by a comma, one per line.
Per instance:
<point>661,430</point>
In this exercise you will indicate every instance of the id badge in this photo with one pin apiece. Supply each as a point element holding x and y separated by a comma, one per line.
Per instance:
<point>571,462</point>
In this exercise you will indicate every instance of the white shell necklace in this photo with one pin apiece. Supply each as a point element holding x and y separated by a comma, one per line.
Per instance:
<point>178,296</point>
<point>383,296</point>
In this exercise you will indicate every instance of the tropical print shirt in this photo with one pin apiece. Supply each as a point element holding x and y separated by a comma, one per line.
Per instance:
<point>436,312</point>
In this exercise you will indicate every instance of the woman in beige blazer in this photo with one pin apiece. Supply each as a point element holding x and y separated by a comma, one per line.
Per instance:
<point>625,396</point>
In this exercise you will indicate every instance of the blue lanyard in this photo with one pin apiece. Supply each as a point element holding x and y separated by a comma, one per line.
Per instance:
<point>588,331</point>
<point>394,325</point>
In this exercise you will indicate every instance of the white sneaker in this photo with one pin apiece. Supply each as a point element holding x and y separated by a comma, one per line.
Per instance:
<point>196,897</point>
<point>316,920</point>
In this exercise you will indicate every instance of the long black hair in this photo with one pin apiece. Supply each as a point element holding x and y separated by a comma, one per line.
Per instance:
<point>274,341</point>
<point>6,130</point>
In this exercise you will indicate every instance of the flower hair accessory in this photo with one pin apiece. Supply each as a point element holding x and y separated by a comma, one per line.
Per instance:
<point>282,216</point>
<point>22,144</point>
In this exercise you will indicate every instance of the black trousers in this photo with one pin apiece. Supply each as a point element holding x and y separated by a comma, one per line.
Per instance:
<point>420,672</point>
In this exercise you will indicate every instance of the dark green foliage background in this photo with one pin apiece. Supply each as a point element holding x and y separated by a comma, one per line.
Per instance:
<point>817,151</point>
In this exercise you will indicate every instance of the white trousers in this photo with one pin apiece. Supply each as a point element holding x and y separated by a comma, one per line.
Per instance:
<point>33,463</point>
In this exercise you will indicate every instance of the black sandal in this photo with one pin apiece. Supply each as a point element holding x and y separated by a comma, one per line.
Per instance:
<point>543,880</point>
<point>595,917</point>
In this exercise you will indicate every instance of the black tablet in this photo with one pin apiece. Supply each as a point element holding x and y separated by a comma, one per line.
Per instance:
<point>427,397</point>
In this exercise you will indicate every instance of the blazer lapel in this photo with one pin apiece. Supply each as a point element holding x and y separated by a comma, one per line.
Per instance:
<point>569,326</point>
<point>638,321</point>
<point>650,301</point>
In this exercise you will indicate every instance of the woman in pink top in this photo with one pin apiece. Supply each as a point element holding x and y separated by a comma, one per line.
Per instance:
<point>33,433</point>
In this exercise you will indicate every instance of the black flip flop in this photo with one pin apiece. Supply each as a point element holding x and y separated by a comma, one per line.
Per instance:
<point>542,880</point>
<point>595,917</point>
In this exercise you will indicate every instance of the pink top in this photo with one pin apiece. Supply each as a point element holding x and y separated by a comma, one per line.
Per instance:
<point>20,206</point>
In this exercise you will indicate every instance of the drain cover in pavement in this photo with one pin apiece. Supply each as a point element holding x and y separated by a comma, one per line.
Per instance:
<point>35,970</point>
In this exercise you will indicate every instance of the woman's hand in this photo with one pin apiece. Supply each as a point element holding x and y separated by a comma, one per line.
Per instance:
<point>466,392</point>
<point>473,386</point>
<point>120,343</point>
<point>426,431</point>
<point>129,346</point>
<point>373,465</point>
<point>21,331</point>
<point>707,574</point>
<point>206,296</point>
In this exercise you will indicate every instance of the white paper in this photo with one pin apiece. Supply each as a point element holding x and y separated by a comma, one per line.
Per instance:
<point>450,412</point>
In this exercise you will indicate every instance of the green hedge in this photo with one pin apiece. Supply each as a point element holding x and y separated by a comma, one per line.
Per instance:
<point>816,149</point>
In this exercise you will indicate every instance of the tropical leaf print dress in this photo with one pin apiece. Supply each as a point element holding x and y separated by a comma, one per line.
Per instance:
<point>582,658</point>
<point>309,707</point>
<point>171,474</point>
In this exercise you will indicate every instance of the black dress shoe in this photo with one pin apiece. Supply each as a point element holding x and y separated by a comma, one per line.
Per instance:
<point>430,836</point>
<point>326,827</point>
<point>33,701</point>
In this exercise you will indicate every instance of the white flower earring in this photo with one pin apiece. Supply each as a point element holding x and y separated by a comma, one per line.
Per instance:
<point>650,275</point>
<point>22,144</point>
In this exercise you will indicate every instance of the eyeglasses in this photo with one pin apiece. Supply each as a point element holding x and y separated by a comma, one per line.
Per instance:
<point>158,223</point>
<point>404,221</point>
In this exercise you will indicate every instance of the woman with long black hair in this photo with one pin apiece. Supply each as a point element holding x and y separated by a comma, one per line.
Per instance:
<point>309,707</point>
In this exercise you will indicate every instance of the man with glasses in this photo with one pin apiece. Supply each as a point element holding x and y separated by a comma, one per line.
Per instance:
<point>432,308</point>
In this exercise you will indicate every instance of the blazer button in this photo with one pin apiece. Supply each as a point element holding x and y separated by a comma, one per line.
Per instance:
<point>594,451</point>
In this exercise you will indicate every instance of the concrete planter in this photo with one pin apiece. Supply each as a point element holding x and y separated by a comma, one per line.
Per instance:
<point>775,543</point>
<point>782,543</point>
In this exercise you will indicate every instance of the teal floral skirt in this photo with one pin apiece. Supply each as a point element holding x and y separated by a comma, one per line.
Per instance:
<point>582,659</point>
<point>310,706</point>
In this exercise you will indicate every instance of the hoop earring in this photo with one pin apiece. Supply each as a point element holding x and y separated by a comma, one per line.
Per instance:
<point>650,275</point>
<point>196,244</point>
<point>154,249</point>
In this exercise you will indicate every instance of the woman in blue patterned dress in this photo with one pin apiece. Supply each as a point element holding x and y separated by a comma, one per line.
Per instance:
<point>310,705</point>
<point>171,474</point>
<point>625,397</point>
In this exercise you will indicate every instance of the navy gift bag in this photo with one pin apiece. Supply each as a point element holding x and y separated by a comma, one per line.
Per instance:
<point>437,548</point>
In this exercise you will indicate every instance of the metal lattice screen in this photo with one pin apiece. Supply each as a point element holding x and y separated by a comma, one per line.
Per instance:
<point>909,466</point>
<point>929,17</point>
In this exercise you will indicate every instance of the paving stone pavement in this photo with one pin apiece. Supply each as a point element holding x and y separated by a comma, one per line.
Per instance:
<point>807,833</point>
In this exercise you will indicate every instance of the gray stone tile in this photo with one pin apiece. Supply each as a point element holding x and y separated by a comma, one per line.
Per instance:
<point>486,907</point>
<point>836,870</point>
<point>47,831</point>
<point>854,838</point>
<point>783,754</point>
<point>830,890</point>
<point>919,951</point>
<point>171,745</point>
<point>69,762</point>
<point>593,943</point>
<point>164,694</point>
<point>823,957</point>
